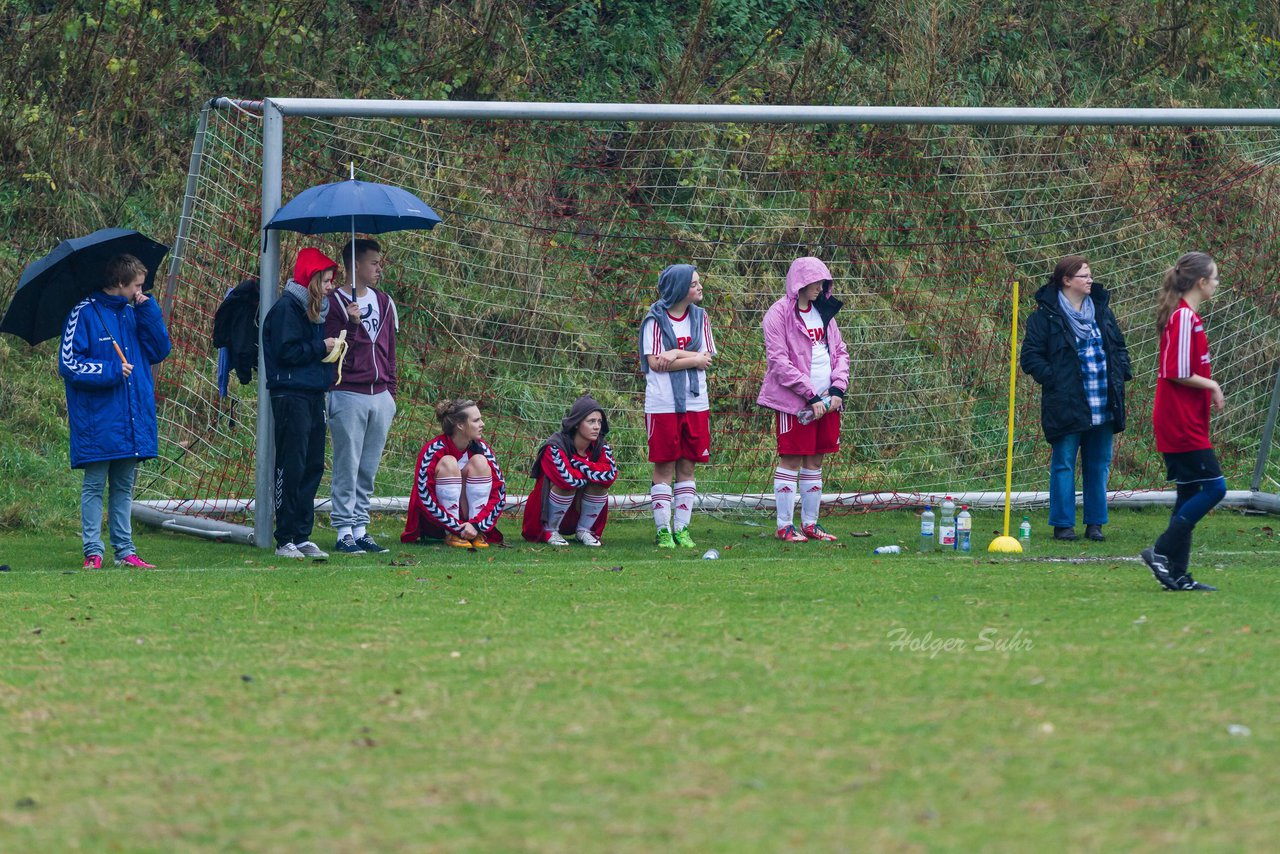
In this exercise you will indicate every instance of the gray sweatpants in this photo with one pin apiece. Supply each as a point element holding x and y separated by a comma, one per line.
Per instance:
<point>359,423</point>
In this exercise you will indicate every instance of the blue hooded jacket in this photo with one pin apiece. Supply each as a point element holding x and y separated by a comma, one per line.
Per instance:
<point>112,417</point>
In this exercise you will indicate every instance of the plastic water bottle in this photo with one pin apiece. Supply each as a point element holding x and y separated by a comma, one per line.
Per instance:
<point>927,529</point>
<point>805,416</point>
<point>711,554</point>
<point>887,550</point>
<point>947,528</point>
<point>1024,533</point>
<point>964,530</point>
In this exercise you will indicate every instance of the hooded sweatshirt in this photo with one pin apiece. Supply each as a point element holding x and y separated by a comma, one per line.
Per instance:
<point>788,348</point>
<point>293,346</point>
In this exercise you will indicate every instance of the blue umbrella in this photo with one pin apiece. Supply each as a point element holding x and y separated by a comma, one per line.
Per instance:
<point>51,287</point>
<point>360,205</point>
<point>354,206</point>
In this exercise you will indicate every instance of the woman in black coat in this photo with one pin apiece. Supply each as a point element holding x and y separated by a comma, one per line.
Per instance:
<point>1074,349</point>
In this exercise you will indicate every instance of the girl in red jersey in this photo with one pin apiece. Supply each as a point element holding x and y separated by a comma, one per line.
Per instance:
<point>458,489</point>
<point>573,470</point>
<point>1185,392</point>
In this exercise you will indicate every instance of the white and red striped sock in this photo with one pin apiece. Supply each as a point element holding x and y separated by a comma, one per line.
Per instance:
<point>557,506</point>
<point>449,494</point>
<point>478,490</point>
<point>810,495</point>
<point>660,501</point>
<point>682,504</point>
<point>785,484</point>
<point>592,507</point>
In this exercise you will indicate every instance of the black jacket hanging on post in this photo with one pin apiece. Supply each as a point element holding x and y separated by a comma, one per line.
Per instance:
<point>1049,355</point>
<point>235,326</point>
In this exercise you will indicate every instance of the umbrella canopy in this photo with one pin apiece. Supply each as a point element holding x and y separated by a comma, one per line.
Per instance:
<point>354,206</point>
<point>51,287</point>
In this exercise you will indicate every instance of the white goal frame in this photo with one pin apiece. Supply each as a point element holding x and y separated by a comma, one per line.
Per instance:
<point>274,111</point>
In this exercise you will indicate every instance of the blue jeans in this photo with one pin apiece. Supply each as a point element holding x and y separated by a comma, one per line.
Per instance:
<point>1094,448</point>
<point>119,504</point>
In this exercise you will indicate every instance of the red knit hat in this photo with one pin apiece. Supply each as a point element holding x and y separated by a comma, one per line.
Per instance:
<point>311,261</point>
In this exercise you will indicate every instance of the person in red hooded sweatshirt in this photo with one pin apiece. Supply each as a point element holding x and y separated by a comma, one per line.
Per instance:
<point>458,488</point>
<point>293,349</point>
<point>573,470</point>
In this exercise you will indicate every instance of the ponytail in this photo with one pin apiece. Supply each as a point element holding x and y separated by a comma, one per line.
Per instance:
<point>1178,279</point>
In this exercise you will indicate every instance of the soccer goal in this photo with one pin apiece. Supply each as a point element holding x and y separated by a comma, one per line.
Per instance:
<point>557,219</point>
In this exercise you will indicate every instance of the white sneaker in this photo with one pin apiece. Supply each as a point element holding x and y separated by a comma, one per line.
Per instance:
<point>556,540</point>
<point>311,550</point>
<point>288,550</point>
<point>587,538</point>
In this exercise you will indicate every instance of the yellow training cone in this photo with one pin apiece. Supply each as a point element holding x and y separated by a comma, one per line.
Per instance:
<point>1005,544</point>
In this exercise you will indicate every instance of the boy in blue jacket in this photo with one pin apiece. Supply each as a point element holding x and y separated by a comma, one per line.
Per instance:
<point>109,343</point>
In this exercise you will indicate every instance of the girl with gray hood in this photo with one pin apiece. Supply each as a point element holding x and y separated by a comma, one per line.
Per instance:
<point>676,348</point>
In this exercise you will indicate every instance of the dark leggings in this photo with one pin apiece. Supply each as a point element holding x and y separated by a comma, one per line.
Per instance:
<point>1197,499</point>
<point>1194,500</point>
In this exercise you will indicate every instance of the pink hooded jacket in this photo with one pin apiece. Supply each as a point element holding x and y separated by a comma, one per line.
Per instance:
<point>788,350</point>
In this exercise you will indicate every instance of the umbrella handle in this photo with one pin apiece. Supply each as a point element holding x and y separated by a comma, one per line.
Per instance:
<point>119,352</point>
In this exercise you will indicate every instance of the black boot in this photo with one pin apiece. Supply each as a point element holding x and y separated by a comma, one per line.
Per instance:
<point>1064,533</point>
<point>1093,532</point>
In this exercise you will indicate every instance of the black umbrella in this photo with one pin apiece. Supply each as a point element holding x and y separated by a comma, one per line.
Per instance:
<point>51,287</point>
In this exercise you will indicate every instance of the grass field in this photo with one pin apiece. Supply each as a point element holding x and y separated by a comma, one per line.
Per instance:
<point>780,698</point>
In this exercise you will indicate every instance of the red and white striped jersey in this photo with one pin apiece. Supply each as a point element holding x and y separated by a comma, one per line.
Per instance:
<point>1180,415</point>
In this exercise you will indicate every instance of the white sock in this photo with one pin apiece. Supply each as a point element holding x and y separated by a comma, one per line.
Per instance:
<point>449,493</point>
<point>359,531</point>
<point>344,531</point>
<point>477,494</point>
<point>557,506</point>
<point>810,495</point>
<point>592,507</point>
<point>686,496</point>
<point>784,495</point>
<point>660,498</point>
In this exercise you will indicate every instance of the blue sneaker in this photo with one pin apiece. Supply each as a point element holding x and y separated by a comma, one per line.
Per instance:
<point>347,546</point>
<point>368,544</point>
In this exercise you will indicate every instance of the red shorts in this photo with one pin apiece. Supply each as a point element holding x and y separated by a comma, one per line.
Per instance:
<point>679,436</point>
<point>802,440</point>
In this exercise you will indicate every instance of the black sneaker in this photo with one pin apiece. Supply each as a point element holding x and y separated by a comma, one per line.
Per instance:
<point>368,544</point>
<point>1186,582</point>
<point>347,546</point>
<point>1159,566</point>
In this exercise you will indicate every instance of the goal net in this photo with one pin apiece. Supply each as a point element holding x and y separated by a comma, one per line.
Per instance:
<point>531,290</point>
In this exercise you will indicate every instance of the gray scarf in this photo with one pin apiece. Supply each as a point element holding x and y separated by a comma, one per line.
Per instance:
<point>303,295</point>
<point>1082,321</point>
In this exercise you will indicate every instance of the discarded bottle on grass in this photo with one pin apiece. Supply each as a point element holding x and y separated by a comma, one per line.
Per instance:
<point>1024,533</point>
<point>805,416</point>
<point>964,529</point>
<point>947,527</point>
<point>887,550</point>
<point>927,529</point>
<point>711,554</point>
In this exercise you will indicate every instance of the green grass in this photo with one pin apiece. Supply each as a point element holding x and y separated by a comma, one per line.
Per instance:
<point>625,700</point>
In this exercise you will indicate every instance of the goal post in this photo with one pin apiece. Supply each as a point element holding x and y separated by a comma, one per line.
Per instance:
<point>557,218</point>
